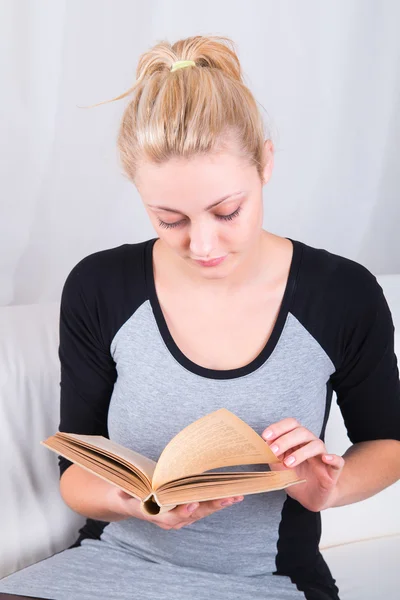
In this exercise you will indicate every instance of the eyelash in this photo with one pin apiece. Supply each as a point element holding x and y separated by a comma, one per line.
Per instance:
<point>221,217</point>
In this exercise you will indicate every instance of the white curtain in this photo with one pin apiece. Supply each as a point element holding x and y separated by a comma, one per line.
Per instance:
<point>326,73</point>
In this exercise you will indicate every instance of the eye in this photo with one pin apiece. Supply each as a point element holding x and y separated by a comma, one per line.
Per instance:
<point>231,216</point>
<point>170,225</point>
<point>179,223</point>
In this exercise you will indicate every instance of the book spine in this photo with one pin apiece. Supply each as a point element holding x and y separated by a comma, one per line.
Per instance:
<point>151,506</point>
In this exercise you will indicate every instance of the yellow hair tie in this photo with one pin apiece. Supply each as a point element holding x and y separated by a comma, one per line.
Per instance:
<point>181,64</point>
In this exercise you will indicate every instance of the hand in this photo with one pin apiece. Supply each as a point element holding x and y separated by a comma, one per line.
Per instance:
<point>302,451</point>
<point>178,517</point>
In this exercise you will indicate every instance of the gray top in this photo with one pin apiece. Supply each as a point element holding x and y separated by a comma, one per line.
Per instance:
<point>123,376</point>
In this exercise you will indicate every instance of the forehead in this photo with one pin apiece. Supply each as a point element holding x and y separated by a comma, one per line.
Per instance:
<point>203,178</point>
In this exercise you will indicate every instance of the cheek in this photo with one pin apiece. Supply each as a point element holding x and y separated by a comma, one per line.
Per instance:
<point>254,221</point>
<point>175,239</point>
<point>248,225</point>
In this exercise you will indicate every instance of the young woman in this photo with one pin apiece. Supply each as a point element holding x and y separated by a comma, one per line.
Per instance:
<point>215,312</point>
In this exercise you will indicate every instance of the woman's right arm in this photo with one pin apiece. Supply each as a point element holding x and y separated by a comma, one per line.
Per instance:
<point>91,496</point>
<point>88,375</point>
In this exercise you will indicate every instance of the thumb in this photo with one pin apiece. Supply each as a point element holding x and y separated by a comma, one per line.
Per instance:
<point>336,464</point>
<point>125,496</point>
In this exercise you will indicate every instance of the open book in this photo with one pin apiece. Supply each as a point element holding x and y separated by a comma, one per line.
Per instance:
<point>219,439</point>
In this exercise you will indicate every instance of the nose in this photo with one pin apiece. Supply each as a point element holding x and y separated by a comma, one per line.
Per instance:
<point>203,240</point>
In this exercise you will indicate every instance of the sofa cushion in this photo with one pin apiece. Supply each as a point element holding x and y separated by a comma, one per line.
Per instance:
<point>38,522</point>
<point>367,570</point>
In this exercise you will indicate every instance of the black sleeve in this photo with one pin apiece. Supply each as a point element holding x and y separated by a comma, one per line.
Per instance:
<point>88,370</point>
<point>367,381</point>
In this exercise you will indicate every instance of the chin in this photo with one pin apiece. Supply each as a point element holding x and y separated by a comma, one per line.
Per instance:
<point>218,272</point>
<point>214,275</point>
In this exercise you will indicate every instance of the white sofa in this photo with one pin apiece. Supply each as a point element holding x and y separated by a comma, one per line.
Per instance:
<point>361,542</point>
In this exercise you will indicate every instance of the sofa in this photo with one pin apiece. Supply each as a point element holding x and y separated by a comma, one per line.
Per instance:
<point>360,542</point>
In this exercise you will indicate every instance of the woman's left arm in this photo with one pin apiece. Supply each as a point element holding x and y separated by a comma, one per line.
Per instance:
<point>368,394</point>
<point>369,468</point>
<point>366,382</point>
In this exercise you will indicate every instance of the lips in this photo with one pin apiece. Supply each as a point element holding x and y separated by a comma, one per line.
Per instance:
<point>211,263</point>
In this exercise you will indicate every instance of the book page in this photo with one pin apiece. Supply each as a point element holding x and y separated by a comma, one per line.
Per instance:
<point>105,470</point>
<point>219,439</point>
<point>142,463</point>
<point>268,482</point>
<point>210,477</point>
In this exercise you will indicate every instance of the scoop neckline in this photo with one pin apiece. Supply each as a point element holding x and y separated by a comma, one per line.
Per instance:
<point>265,352</point>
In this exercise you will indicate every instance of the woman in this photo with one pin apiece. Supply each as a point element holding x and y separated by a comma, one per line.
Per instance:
<point>215,312</point>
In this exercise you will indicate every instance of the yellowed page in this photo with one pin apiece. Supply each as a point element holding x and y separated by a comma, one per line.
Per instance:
<point>219,439</point>
<point>132,487</point>
<point>272,480</point>
<point>105,462</point>
<point>142,463</point>
<point>211,478</point>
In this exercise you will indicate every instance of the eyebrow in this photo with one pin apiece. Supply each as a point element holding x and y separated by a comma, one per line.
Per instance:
<point>213,205</point>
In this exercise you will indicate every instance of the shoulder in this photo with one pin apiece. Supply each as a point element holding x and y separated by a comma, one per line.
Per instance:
<point>105,288</point>
<point>346,283</point>
<point>102,268</point>
<point>336,299</point>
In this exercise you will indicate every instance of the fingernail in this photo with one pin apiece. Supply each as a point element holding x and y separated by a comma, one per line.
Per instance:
<point>267,435</point>
<point>290,460</point>
<point>274,448</point>
<point>226,503</point>
<point>192,507</point>
<point>239,499</point>
<point>328,456</point>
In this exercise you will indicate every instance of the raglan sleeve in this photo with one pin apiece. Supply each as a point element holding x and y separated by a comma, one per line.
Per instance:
<point>366,381</point>
<point>88,370</point>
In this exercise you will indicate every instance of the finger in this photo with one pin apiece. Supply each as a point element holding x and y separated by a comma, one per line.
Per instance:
<point>224,502</point>
<point>333,460</point>
<point>211,506</point>
<point>277,429</point>
<point>186,514</point>
<point>314,448</point>
<point>195,510</point>
<point>181,514</point>
<point>290,440</point>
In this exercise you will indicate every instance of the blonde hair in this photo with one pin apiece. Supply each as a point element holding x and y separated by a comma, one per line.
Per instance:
<point>192,110</point>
